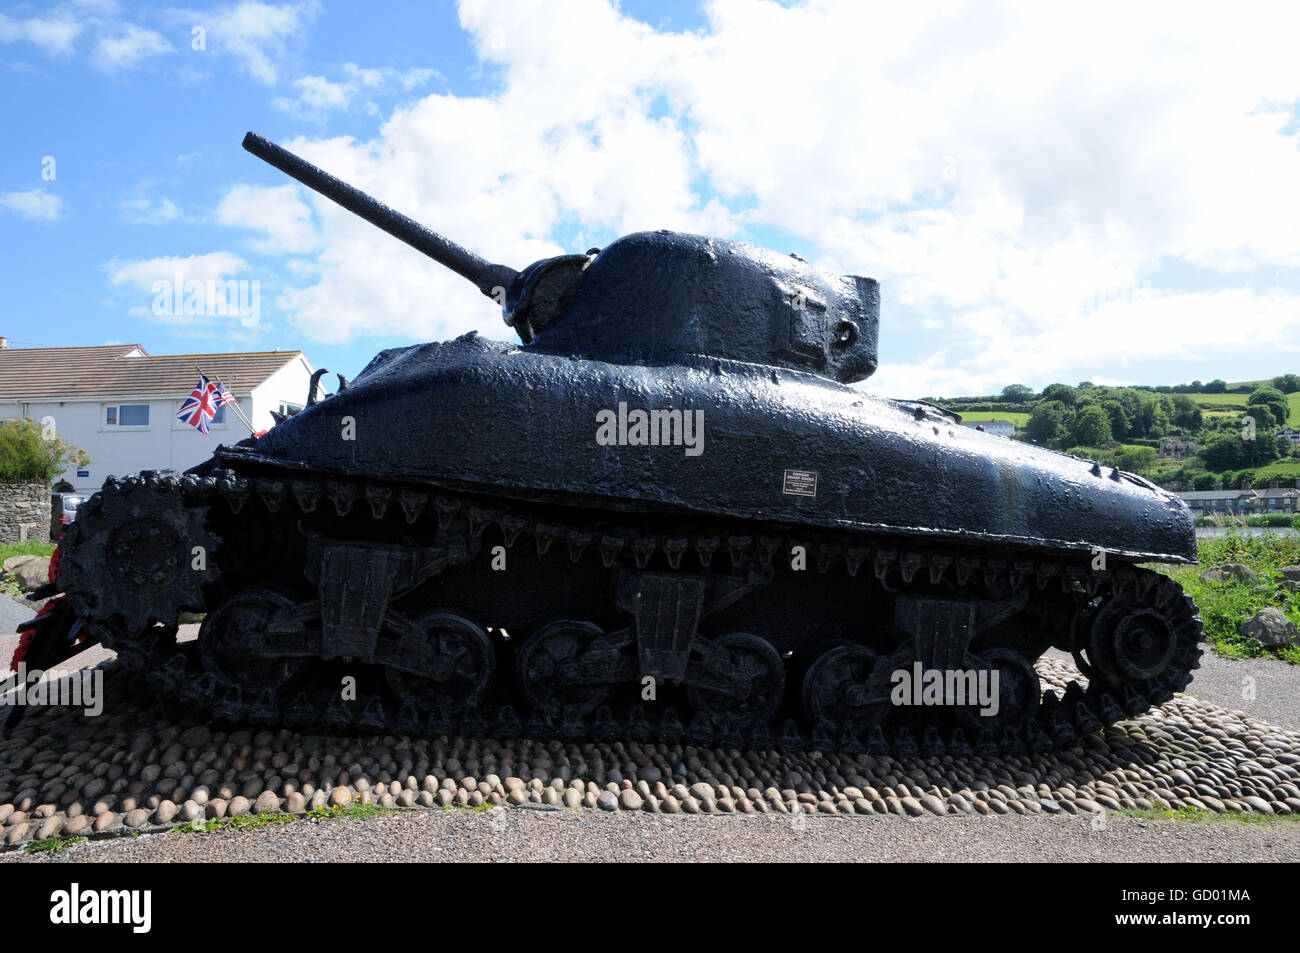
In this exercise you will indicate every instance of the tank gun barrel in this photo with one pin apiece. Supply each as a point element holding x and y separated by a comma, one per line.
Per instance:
<point>489,278</point>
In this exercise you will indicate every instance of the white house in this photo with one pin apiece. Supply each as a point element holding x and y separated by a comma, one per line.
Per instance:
<point>119,403</point>
<point>999,428</point>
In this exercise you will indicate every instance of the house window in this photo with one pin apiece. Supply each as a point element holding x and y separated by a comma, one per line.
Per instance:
<point>126,415</point>
<point>289,409</point>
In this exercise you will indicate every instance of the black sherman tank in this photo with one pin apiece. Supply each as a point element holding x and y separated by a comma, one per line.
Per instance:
<point>664,514</point>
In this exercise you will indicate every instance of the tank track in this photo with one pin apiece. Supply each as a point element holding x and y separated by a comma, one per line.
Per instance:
<point>178,674</point>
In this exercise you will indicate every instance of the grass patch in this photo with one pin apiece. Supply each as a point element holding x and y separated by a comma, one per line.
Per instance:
<point>30,548</point>
<point>1285,471</point>
<point>1218,400</point>
<point>1197,815</point>
<point>53,845</point>
<point>1018,419</point>
<point>1225,605</point>
<point>349,810</point>
<point>248,821</point>
<point>485,806</point>
<point>243,822</point>
<point>1285,520</point>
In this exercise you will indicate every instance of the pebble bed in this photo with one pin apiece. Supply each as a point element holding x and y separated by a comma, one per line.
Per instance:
<point>132,770</point>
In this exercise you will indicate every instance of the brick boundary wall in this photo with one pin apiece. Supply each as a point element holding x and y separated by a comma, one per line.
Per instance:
<point>24,512</point>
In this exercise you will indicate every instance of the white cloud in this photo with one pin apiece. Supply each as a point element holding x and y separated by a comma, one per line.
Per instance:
<point>560,145</point>
<point>317,96</point>
<point>277,211</point>
<point>55,35</point>
<point>1015,174</point>
<point>127,46</point>
<point>256,34</point>
<point>198,294</point>
<point>36,204</point>
<point>141,275</point>
<point>145,209</point>
<point>1119,335</point>
<point>315,93</point>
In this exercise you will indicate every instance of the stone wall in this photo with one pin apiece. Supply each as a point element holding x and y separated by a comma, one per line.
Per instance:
<point>24,512</point>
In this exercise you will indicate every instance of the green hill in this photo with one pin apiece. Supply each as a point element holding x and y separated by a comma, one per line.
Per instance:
<point>1017,418</point>
<point>1126,426</point>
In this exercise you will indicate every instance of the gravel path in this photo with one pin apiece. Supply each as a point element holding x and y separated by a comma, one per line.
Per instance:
<point>1275,686</point>
<point>12,613</point>
<point>578,836</point>
<point>1222,681</point>
<point>139,770</point>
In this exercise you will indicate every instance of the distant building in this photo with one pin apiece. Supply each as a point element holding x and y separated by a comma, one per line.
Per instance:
<point>1292,435</point>
<point>1244,501</point>
<point>999,428</point>
<point>1174,448</point>
<point>119,404</point>
<point>1277,499</point>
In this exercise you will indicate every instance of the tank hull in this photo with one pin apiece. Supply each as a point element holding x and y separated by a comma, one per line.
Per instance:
<point>755,443</point>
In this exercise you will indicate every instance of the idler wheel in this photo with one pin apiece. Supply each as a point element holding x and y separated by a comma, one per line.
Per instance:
<point>835,689</point>
<point>1129,642</point>
<point>1019,692</point>
<point>551,672</point>
<point>755,684</point>
<point>233,641</point>
<point>458,659</point>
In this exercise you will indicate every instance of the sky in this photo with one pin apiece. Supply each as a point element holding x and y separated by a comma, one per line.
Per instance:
<point>1046,192</point>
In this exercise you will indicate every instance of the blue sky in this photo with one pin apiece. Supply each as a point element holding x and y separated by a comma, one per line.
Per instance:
<point>1114,197</point>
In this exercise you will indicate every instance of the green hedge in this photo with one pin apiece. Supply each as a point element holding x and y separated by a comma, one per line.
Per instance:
<point>997,408</point>
<point>1260,519</point>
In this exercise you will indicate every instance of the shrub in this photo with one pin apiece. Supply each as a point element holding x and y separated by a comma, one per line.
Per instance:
<point>1224,606</point>
<point>29,455</point>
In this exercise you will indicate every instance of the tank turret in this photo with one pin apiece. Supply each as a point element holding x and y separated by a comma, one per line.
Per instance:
<point>651,297</point>
<point>663,296</point>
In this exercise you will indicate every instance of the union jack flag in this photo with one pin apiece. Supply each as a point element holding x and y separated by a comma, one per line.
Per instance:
<point>201,406</point>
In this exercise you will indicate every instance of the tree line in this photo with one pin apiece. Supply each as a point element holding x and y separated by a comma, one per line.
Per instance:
<point>1124,426</point>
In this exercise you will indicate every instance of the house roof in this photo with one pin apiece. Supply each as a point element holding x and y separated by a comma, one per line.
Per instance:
<point>33,373</point>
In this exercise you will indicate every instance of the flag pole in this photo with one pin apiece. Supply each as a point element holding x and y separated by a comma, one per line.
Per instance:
<point>235,405</point>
